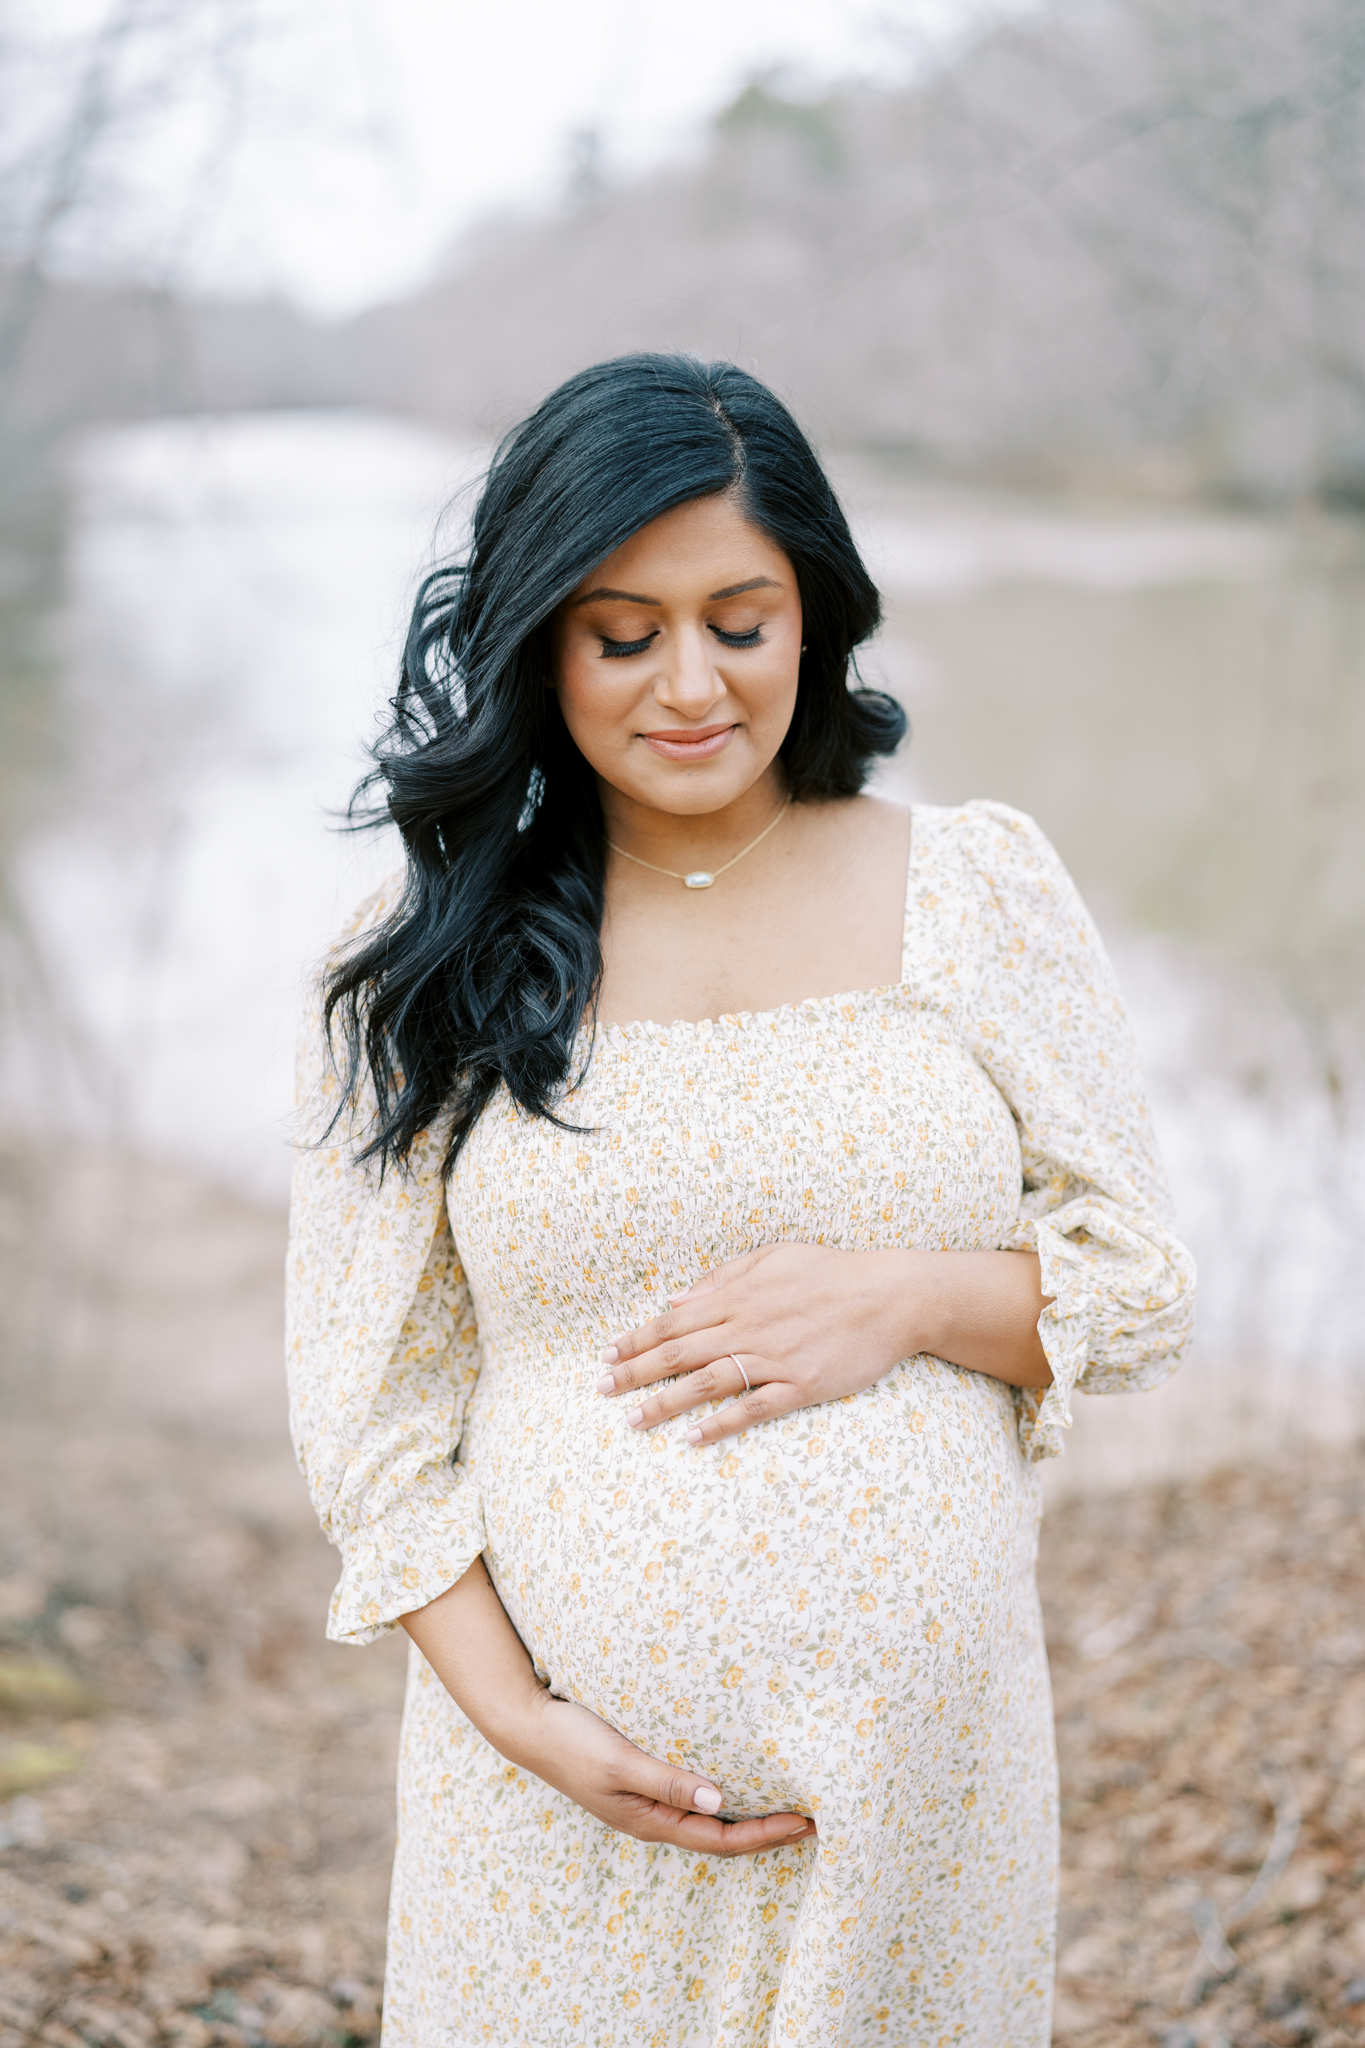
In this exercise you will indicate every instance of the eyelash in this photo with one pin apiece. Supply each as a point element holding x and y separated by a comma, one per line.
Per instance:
<point>619,650</point>
<point>615,650</point>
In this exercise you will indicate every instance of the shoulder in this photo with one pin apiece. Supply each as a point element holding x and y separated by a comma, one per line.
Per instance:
<point>986,849</point>
<point>987,885</point>
<point>980,835</point>
<point>868,816</point>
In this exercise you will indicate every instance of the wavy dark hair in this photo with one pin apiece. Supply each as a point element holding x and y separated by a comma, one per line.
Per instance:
<point>483,970</point>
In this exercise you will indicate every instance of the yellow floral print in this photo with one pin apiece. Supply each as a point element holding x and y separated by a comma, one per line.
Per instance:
<point>834,1612</point>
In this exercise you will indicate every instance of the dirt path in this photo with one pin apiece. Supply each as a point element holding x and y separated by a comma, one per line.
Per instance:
<point>197,1789</point>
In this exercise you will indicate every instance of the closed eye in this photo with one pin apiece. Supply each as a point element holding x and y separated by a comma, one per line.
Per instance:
<point>618,650</point>
<point>615,650</point>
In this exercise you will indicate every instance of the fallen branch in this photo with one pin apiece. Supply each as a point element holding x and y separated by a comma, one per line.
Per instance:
<point>1216,1957</point>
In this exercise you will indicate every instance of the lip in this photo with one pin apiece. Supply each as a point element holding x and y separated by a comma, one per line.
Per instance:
<point>702,745</point>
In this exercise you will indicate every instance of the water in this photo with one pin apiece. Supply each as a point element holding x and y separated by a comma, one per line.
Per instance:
<point>1176,697</point>
<point>236,592</point>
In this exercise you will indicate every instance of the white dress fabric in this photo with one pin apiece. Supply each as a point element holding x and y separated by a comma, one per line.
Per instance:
<point>834,1612</point>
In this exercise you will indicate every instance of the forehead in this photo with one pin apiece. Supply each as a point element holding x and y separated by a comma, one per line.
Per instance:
<point>706,541</point>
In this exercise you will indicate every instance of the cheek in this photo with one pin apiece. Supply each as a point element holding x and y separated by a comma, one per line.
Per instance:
<point>769,691</point>
<point>595,707</point>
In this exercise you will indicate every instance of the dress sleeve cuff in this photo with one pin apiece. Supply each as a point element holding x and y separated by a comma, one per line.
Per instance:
<point>1120,1315</point>
<point>417,1550</point>
<point>1065,1330</point>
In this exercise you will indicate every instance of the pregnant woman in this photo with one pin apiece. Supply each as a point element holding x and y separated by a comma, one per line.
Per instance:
<point>718,1182</point>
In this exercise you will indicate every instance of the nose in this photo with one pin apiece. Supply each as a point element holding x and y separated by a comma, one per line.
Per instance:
<point>689,681</point>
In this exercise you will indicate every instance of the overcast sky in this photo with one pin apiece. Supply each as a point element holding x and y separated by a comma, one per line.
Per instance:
<point>331,149</point>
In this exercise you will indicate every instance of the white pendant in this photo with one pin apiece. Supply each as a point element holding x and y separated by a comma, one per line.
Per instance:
<point>699,880</point>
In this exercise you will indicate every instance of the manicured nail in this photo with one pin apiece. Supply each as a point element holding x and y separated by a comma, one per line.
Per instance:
<point>694,1436</point>
<point>610,1354</point>
<point>706,1799</point>
<point>636,1417</point>
<point>787,1833</point>
<point>607,1383</point>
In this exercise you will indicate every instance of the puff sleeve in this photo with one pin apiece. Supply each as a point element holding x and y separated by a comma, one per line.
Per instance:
<point>382,1353</point>
<point>1010,952</point>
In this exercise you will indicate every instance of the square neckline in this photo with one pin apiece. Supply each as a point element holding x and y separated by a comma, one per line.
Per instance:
<point>804,1005</point>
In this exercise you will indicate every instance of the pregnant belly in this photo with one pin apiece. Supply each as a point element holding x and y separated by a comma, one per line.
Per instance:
<point>784,1611</point>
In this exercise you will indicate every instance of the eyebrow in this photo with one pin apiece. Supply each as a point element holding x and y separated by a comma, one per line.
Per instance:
<point>633,597</point>
<point>738,589</point>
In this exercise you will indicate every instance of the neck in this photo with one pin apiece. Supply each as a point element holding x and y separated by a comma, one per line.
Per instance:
<point>686,840</point>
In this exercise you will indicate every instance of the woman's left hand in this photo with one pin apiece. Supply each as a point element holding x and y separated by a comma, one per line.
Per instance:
<point>808,1323</point>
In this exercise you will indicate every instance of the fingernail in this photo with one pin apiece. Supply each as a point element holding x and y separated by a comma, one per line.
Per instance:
<point>610,1355</point>
<point>706,1799</point>
<point>787,1833</point>
<point>607,1383</point>
<point>694,1436</point>
<point>636,1417</point>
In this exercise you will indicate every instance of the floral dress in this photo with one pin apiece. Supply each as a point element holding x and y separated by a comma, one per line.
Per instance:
<point>834,1612</point>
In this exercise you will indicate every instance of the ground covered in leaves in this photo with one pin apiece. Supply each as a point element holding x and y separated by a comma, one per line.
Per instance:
<point>196,1791</point>
<point>1208,1655</point>
<point>200,1814</point>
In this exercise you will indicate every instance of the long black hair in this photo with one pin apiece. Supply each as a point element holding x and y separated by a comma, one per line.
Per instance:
<point>483,970</point>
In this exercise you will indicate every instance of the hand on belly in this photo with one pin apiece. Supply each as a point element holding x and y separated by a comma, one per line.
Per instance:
<point>791,1326</point>
<point>785,1327</point>
<point>582,1756</point>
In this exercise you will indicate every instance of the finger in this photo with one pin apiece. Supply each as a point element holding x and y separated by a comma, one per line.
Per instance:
<point>668,1328</point>
<point>711,1382</point>
<point>721,1837</point>
<point>682,1317</point>
<point>760,1404</point>
<point>642,1776</point>
<point>662,1361</point>
<point>667,1802</point>
<point>765,1831</point>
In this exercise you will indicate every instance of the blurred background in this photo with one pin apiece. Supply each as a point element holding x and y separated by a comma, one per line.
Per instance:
<point>1072,298</point>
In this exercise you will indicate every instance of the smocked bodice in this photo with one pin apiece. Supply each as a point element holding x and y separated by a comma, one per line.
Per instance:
<point>854,1121</point>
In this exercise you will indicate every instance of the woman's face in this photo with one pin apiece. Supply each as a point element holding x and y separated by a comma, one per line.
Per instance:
<point>676,660</point>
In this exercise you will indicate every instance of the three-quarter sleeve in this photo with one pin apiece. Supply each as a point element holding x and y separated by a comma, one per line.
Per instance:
<point>382,1351</point>
<point>1019,966</point>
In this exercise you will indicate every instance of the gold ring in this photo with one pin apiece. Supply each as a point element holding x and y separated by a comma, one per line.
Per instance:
<point>743,1375</point>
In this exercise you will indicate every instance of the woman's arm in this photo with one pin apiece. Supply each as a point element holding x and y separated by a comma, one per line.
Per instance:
<point>811,1324</point>
<point>469,1642</point>
<point>1091,1274</point>
<point>382,1348</point>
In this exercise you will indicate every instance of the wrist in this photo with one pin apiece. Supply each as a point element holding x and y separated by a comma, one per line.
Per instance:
<point>914,1300</point>
<point>470,1644</point>
<point>514,1723</point>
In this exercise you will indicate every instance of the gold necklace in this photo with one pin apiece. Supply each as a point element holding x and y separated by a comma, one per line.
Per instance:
<point>700,878</point>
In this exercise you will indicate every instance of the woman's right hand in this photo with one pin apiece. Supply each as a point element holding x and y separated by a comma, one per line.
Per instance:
<point>469,1642</point>
<point>595,1766</point>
